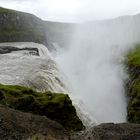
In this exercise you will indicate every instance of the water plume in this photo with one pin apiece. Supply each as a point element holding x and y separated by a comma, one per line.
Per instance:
<point>94,65</point>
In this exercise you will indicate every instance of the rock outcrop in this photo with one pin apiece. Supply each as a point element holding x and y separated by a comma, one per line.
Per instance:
<point>16,125</point>
<point>133,86</point>
<point>110,131</point>
<point>55,106</point>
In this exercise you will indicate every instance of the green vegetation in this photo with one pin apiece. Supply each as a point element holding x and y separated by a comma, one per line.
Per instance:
<point>4,10</point>
<point>16,26</point>
<point>55,106</point>
<point>134,57</point>
<point>35,137</point>
<point>133,87</point>
<point>134,101</point>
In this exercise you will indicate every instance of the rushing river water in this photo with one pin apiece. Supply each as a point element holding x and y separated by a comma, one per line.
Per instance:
<point>29,68</point>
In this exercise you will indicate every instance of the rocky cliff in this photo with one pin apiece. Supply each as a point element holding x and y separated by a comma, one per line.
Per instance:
<point>57,107</point>
<point>133,86</point>
<point>110,131</point>
<point>17,125</point>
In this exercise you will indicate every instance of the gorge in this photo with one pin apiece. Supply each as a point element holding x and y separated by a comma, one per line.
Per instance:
<point>91,68</point>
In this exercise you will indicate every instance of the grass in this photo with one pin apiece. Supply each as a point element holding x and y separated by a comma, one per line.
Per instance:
<point>5,10</point>
<point>133,56</point>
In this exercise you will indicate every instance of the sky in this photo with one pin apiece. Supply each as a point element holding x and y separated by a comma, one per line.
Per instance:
<point>75,10</point>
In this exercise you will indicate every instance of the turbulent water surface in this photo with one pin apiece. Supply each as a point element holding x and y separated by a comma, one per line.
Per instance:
<point>33,68</point>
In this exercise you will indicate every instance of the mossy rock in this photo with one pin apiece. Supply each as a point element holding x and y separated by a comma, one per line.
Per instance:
<point>18,26</point>
<point>133,86</point>
<point>133,57</point>
<point>134,101</point>
<point>56,106</point>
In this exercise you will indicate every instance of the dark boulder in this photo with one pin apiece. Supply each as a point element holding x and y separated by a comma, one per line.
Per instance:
<point>56,106</point>
<point>17,125</point>
<point>110,131</point>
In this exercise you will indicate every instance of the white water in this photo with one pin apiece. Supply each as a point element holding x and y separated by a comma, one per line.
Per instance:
<point>38,72</point>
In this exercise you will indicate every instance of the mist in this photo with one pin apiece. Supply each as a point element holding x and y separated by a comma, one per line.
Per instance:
<point>94,64</point>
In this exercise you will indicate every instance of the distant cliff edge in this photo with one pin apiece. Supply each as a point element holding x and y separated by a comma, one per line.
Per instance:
<point>18,26</point>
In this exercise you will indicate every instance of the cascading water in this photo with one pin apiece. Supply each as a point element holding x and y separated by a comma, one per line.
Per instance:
<point>31,65</point>
<point>29,68</point>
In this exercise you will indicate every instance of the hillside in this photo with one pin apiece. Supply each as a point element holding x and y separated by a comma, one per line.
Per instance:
<point>17,26</point>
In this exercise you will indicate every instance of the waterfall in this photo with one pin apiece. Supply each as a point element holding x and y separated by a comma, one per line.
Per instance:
<point>93,64</point>
<point>25,67</point>
<point>31,65</point>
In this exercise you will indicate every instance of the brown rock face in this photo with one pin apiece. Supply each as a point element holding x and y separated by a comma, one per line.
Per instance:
<point>16,125</point>
<point>110,131</point>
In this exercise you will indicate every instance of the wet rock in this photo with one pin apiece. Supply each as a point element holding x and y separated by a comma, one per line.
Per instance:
<point>110,131</point>
<point>16,125</point>
<point>9,49</point>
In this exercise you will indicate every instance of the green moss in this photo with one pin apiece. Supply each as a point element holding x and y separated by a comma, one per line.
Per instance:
<point>133,56</point>
<point>55,106</point>
<point>134,101</point>
<point>133,88</point>
<point>36,137</point>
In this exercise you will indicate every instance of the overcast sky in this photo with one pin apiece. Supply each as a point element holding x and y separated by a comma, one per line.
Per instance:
<point>75,10</point>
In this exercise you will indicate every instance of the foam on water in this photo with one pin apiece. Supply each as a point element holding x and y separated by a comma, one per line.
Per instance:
<point>38,72</point>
